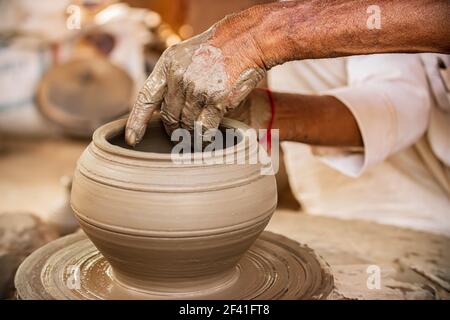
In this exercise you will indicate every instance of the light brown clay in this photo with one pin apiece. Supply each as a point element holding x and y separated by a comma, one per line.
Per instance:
<point>275,267</point>
<point>165,227</point>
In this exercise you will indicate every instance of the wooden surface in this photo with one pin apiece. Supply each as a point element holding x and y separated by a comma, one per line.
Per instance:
<point>412,264</point>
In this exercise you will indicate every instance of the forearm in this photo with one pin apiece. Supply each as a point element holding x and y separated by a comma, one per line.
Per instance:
<point>294,30</point>
<point>316,120</point>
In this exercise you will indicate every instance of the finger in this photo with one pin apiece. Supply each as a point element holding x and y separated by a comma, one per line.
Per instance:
<point>246,82</point>
<point>242,112</point>
<point>149,99</point>
<point>211,116</point>
<point>193,107</point>
<point>173,103</point>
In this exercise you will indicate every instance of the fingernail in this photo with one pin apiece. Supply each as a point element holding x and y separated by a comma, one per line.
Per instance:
<point>130,137</point>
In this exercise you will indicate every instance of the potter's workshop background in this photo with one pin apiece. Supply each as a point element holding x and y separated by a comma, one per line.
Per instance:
<point>69,66</point>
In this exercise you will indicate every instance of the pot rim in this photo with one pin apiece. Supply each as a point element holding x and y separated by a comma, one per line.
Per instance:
<point>103,133</point>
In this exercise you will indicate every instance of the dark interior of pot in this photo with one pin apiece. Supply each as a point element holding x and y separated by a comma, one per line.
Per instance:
<point>156,140</point>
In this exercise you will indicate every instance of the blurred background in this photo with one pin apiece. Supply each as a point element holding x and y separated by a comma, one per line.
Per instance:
<point>69,66</point>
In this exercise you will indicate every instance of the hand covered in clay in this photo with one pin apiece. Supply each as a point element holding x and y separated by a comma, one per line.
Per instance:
<point>200,79</point>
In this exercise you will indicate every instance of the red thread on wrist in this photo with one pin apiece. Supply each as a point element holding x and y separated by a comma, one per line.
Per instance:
<point>268,135</point>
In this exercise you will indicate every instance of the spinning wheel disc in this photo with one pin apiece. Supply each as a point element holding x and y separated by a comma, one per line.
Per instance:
<point>275,267</point>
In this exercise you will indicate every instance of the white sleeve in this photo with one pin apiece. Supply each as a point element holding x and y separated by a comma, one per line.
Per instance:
<point>389,98</point>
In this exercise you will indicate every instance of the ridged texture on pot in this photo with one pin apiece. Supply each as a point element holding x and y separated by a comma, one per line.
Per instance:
<point>130,194</point>
<point>166,226</point>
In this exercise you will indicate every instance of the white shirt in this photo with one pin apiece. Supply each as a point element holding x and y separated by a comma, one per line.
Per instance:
<point>401,180</point>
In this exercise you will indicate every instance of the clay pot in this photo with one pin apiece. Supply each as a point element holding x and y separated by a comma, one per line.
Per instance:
<point>169,227</point>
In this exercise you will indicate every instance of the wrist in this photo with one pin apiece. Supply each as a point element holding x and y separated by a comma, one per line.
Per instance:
<point>278,34</point>
<point>242,35</point>
<point>266,35</point>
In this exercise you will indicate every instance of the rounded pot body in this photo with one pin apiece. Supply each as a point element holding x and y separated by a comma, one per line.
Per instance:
<point>165,225</point>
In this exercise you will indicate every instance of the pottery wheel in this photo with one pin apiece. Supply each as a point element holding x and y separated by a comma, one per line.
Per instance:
<point>275,267</point>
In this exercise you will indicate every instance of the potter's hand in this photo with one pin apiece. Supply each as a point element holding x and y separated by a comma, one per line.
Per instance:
<point>203,78</point>
<point>199,79</point>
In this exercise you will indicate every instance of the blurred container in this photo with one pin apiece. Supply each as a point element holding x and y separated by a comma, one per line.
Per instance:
<point>37,39</point>
<point>83,94</point>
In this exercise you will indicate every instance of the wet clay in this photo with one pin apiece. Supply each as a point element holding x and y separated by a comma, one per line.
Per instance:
<point>274,267</point>
<point>166,226</point>
<point>155,140</point>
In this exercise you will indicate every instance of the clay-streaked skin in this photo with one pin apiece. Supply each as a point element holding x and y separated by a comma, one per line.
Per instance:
<point>242,47</point>
<point>191,82</point>
<point>158,222</point>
